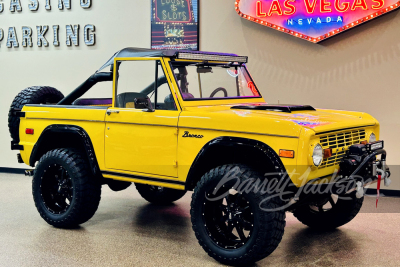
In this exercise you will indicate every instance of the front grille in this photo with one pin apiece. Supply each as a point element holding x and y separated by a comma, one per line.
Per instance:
<point>339,140</point>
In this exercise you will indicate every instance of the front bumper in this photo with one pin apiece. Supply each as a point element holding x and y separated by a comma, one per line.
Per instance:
<point>358,169</point>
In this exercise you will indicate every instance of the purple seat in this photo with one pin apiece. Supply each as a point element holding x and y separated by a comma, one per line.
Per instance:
<point>93,102</point>
<point>187,96</point>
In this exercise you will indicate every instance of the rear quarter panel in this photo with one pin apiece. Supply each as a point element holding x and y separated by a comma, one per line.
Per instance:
<point>40,117</point>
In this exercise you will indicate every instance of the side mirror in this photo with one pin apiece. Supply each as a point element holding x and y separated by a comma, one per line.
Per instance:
<point>148,110</point>
<point>144,103</point>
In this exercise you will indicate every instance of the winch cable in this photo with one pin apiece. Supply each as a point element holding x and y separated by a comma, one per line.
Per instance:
<point>378,187</point>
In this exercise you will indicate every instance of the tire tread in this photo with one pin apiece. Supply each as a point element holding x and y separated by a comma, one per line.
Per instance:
<point>272,223</point>
<point>345,212</point>
<point>88,190</point>
<point>30,95</point>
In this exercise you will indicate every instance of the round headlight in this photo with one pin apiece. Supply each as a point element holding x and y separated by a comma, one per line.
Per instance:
<point>317,155</point>
<point>372,138</point>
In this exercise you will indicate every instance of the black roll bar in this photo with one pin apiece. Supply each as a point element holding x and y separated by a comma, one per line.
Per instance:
<point>84,87</point>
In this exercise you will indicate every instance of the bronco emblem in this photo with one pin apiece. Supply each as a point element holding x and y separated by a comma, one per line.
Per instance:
<point>187,134</point>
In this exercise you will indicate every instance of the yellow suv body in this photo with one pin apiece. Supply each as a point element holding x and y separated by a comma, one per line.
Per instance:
<point>151,147</point>
<point>176,120</point>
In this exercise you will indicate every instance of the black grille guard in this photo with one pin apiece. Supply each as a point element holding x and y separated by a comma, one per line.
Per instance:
<point>344,185</point>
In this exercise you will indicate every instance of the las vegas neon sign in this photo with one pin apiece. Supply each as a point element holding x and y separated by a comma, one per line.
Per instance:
<point>313,20</point>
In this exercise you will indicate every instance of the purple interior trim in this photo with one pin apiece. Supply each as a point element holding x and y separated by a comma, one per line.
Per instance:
<point>93,101</point>
<point>187,96</point>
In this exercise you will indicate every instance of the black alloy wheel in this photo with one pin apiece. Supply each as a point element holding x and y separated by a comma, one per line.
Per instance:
<point>57,189</point>
<point>229,221</point>
<point>156,189</point>
<point>65,191</point>
<point>236,227</point>
<point>330,212</point>
<point>325,204</point>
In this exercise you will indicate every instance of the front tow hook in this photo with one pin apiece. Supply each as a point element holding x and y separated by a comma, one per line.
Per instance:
<point>385,176</point>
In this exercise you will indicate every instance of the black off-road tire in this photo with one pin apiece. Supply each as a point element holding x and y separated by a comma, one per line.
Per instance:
<point>81,186</point>
<point>267,219</point>
<point>31,95</point>
<point>339,214</point>
<point>159,195</point>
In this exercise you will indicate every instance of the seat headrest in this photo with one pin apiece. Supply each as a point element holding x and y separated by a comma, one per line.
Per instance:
<point>124,98</point>
<point>187,96</point>
<point>169,102</point>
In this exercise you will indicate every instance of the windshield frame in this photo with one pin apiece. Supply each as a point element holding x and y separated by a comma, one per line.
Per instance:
<point>215,64</point>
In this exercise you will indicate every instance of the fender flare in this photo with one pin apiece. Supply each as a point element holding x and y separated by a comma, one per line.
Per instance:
<point>79,132</point>
<point>228,141</point>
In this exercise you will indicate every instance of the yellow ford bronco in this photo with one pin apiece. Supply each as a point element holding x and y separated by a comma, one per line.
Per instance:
<point>177,121</point>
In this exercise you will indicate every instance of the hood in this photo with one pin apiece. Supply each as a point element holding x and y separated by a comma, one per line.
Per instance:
<point>273,119</point>
<point>308,117</point>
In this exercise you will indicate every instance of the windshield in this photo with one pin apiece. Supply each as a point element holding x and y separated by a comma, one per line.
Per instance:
<point>200,81</point>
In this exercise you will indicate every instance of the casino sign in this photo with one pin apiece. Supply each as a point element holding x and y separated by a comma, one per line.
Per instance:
<point>313,20</point>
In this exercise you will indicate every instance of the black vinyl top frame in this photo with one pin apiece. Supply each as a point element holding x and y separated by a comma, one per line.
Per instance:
<point>143,52</point>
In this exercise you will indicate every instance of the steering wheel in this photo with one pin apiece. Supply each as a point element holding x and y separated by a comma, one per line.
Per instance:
<point>219,89</point>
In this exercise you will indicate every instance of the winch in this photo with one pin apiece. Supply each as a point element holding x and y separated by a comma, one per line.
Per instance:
<point>362,165</point>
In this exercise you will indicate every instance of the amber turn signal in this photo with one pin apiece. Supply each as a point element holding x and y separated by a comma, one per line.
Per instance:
<point>29,131</point>
<point>327,153</point>
<point>286,153</point>
<point>364,142</point>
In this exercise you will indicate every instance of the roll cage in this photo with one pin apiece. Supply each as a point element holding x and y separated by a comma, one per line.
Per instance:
<point>207,58</point>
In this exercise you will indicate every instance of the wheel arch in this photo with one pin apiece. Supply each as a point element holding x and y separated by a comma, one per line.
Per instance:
<point>228,150</point>
<point>64,136</point>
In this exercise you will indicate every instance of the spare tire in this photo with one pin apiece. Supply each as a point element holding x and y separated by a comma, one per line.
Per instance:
<point>30,95</point>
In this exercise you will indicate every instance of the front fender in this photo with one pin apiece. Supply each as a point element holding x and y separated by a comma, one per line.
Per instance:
<point>248,151</point>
